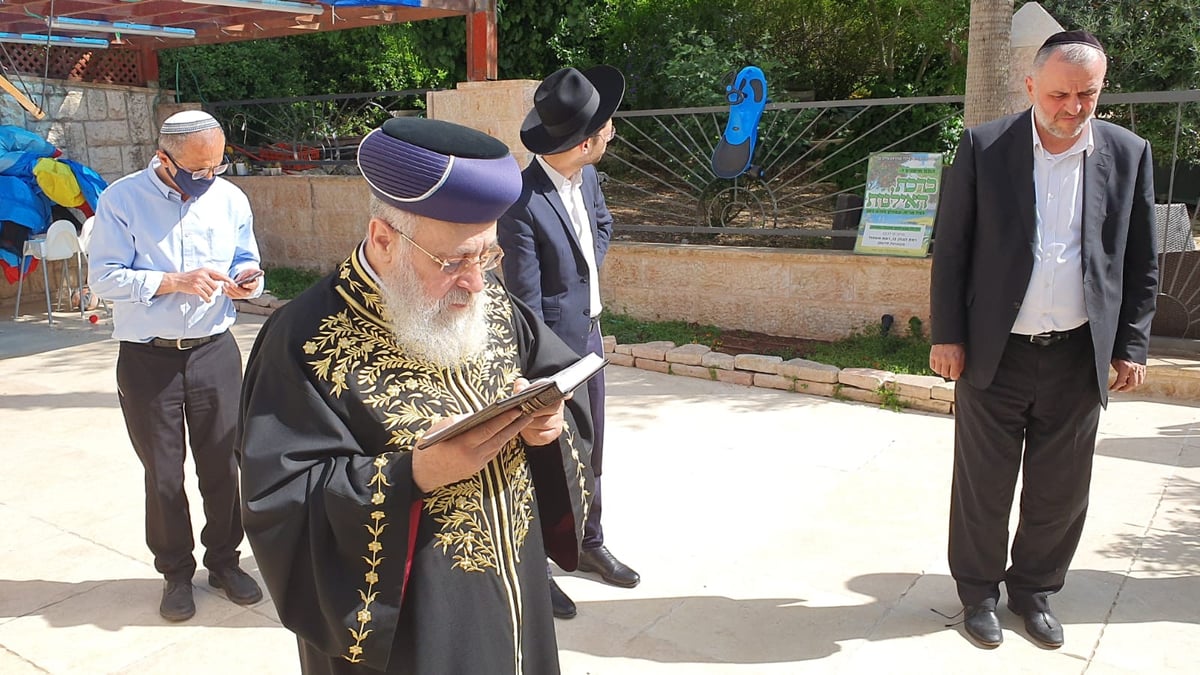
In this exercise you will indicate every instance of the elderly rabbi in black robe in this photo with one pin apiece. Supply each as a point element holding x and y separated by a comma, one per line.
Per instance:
<point>379,556</point>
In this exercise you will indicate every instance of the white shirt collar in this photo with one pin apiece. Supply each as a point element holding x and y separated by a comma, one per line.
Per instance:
<point>159,184</point>
<point>560,181</point>
<point>362,259</point>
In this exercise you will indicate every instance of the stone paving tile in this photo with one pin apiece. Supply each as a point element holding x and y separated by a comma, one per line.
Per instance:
<point>246,642</point>
<point>775,533</point>
<point>12,664</point>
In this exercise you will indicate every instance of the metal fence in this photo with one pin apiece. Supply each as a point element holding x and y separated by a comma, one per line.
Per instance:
<point>809,162</point>
<point>809,173</point>
<point>807,176</point>
<point>306,132</point>
<point>810,154</point>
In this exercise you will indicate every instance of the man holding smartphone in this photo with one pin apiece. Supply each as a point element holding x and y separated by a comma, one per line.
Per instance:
<point>172,247</point>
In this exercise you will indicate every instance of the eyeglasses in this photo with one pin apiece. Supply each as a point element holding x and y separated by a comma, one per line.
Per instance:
<point>608,135</point>
<point>198,174</point>
<point>490,259</point>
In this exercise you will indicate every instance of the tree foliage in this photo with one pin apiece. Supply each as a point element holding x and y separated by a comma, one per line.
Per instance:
<point>1151,46</point>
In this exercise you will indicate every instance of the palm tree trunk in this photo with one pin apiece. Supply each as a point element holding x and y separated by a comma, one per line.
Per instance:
<point>988,56</point>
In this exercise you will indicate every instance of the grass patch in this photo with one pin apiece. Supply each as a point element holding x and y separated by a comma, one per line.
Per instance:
<point>629,330</point>
<point>286,283</point>
<point>871,348</point>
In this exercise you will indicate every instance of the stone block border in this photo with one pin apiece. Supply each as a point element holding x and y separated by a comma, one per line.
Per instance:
<point>1169,379</point>
<point>867,385</point>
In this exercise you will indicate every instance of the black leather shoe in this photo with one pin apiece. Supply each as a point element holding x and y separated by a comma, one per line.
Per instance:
<point>239,587</point>
<point>613,571</point>
<point>982,625</point>
<point>177,603</point>
<point>1041,625</point>
<point>564,607</point>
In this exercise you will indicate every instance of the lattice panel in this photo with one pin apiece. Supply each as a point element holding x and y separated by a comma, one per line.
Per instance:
<point>80,64</point>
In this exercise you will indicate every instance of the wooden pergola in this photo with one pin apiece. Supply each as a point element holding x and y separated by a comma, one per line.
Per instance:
<point>217,22</point>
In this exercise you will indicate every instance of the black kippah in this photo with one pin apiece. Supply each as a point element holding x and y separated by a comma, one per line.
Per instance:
<point>1072,37</point>
<point>445,138</point>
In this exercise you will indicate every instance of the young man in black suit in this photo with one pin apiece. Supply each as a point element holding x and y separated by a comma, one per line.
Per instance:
<point>1044,274</point>
<point>554,240</point>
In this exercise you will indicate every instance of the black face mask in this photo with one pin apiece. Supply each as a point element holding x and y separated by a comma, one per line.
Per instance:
<point>192,187</point>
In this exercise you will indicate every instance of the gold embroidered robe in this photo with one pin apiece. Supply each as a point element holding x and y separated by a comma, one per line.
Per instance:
<point>369,575</point>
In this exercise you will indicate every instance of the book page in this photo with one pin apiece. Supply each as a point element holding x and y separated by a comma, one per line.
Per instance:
<point>539,394</point>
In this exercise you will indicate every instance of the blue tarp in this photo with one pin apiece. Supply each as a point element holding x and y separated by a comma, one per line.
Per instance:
<point>23,203</point>
<point>15,142</point>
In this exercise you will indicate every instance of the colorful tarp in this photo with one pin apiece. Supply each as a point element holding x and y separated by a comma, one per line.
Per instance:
<point>33,179</point>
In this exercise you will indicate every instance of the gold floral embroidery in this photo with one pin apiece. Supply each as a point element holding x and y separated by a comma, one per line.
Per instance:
<point>379,481</point>
<point>584,494</point>
<point>354,352</point>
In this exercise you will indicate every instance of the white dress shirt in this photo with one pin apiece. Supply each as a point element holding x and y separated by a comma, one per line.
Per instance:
<point>570,190</point>
<point>1054,297</point>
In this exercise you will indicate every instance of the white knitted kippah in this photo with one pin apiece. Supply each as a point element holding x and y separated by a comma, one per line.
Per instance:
<point>189,121</point>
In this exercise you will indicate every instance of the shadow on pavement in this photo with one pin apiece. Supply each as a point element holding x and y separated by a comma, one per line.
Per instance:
<point>31,334</point>
<point>716,629</point>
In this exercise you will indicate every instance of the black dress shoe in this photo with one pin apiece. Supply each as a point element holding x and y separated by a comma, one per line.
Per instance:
<point>613,571</point>
<point>177,603</point>
<point>982,625</point>
<point>1041,625</point>
<point>564,607</point>
<point>239,587</point>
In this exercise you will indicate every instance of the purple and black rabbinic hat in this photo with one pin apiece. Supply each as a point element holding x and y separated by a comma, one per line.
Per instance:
<point>440,170</point>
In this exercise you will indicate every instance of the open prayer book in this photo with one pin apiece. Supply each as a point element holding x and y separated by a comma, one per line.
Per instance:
<point>540,393</point>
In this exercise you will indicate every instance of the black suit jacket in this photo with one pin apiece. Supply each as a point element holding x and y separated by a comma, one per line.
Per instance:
<point>983,248</point>
<point>543,261</point>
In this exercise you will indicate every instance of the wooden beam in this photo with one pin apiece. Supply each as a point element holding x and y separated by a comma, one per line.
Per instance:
<point>27,104</point>
<point>481,42</point>
<point>148,66</point>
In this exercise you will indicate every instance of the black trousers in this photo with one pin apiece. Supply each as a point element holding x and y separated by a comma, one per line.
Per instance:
<point>162,391</point>
<point>593,532</point>
<point>1039,417</point>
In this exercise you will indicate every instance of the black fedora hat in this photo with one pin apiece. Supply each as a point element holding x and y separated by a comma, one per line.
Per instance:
<point>569,106</point>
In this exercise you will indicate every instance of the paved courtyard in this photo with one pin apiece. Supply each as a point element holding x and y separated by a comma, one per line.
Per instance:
<point>774,532</point>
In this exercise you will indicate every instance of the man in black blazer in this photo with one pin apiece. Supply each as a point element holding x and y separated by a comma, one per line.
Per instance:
<point>1044,274</point>
<point>554,240</point>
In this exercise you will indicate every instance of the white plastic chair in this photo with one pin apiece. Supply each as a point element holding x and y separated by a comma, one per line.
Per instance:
<point>60,243</point>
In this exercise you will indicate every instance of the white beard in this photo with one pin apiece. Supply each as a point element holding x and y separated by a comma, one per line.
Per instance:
<point>430,329</point>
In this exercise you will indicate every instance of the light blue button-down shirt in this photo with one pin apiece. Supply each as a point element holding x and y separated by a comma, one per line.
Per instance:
<point>143,230</point>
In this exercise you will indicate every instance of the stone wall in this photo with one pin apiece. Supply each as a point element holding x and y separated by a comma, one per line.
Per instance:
<point>823,295</point>
<point>110,128</point>
<point>314,222</point>
<point>307,222</point>
<point>495,108</point>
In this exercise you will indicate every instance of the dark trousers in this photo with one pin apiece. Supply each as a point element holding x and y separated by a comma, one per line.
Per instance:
<point>1039,417</point>
<point>162,390</point>
<point>593,532</point>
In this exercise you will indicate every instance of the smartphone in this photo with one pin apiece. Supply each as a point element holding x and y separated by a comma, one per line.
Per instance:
<point>248,280</point>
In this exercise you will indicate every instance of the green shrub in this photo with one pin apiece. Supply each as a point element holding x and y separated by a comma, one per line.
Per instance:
<point>286,283</point>
<point>629,330</point>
